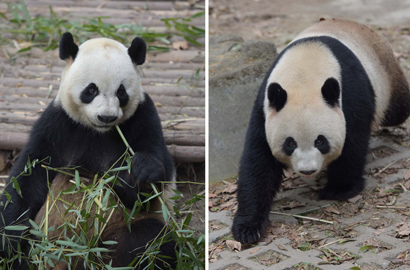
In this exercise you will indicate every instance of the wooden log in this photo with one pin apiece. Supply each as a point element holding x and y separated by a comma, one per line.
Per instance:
<point>187,154</point>
<point>152,90</point>
<point>12,140</point>
<point>168,120</point>
<point>21,82</point>
<point>160,101</point>
<point>26,119</point>
<point>121,16</point>
<point>6,127</point>
<point>183,138</point>
<point>43,73</point>
<point>55,62</point>
<point>143,5</point>
<point>30,109</point>
<point>192,138</point>
<point>181,154</point>
<point>178,56</point>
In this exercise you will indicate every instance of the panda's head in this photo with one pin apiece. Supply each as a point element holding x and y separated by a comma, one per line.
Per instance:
<point>305,126</point>
<point>100,85</point>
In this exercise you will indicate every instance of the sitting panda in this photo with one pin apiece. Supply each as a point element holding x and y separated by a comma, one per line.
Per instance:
<point>315,109</point>
<point>100,88</point>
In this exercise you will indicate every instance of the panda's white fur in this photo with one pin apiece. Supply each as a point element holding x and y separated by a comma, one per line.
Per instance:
<point>305,101</point>
<point>367,46</point>
<point>106,63</point>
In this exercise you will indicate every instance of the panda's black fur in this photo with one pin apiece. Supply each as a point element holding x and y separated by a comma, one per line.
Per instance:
<point>62,142</point>
<point>260,173</point>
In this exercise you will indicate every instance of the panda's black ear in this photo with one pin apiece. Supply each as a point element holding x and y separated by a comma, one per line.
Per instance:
<point>277,96</point>
<point>137,51</point>
<point>68,49</point>
<point>331,92</point>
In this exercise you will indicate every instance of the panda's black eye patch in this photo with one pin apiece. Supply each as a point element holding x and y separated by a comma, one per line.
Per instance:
<point>289,146</point>
<point>322,144</point>
<point>89,93</point>
<point>122,95</point>
<point>277,96</point>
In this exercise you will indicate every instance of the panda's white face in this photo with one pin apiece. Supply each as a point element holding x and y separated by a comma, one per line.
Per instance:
<point>305,126</point>
<point>101,87</point>
<point>307,139</point>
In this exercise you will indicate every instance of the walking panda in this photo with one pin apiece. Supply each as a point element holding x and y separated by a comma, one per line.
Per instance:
<point>315,109</point>
<point>100,88</point>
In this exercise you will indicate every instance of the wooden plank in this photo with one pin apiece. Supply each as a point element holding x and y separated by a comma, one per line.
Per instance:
<point>56,62</point>
<point>169,90</point>
<point>43,73</point>
<point>19,82</point>
<point>160,101</point>
<point>16,141</point>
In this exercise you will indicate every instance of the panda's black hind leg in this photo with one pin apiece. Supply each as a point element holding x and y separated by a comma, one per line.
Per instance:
<point>132,245</point>
<point>345,174</point>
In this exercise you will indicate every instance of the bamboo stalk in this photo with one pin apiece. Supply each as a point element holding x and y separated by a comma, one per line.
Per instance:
<point>302,217</point>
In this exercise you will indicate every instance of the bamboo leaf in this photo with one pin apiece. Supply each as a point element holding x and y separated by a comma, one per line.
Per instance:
<point>366,248</point>
<point>16,228</point>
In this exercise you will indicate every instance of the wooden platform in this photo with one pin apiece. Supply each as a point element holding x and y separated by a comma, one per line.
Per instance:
<point>175,79</point>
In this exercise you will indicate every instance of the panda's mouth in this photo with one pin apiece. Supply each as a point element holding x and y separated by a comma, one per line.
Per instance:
<point>102,127</point>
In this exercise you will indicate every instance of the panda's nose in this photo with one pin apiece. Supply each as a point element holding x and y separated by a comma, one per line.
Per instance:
<point>308,172</point>
<point>106,118</point>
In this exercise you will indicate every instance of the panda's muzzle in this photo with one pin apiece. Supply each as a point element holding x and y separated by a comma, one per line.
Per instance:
<point>106,118</point>
<point>307,173</point>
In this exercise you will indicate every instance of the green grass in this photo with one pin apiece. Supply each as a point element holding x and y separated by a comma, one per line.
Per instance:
<point>45,32</point>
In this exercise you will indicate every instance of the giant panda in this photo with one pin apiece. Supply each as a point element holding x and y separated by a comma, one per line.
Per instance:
<point>100,88</point>
<point>315,110</point>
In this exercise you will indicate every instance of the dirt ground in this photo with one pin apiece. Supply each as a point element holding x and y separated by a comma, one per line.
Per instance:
<point>280,22</point>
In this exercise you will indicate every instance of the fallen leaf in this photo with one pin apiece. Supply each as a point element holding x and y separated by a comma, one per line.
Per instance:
<point>230,188</point>
<point>255,250</point>
<point>379,231</point>
<point>407,176</point>
<point>282,247</point>
<point>293,204</point>
<point>407,184</point>
<point>403,229</point>
<point>366,248</point>
<point>355,198</point>
<point>228,205</point>
<point>332,209</point>
<point>232,245</point>
<point>266,240</point>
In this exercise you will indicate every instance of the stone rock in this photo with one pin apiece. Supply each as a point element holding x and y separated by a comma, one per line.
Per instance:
<point>236,70</point>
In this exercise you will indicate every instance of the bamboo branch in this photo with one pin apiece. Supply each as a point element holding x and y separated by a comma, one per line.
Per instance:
<point>302,217</point>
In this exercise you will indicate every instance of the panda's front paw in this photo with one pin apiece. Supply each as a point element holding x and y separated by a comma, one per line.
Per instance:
<point>247,230</point>
<point>145,169</point>
<point>340,193</point>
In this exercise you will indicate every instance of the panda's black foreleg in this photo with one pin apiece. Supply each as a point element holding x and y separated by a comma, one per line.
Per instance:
<point>260,175</point>
<point>145,169</point>
<point>345,174</point>
<point>134,246</point>
<point>18,211</point>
